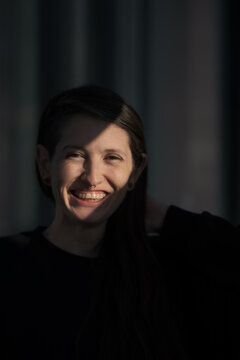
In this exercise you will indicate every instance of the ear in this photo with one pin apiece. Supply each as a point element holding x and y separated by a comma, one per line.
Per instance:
<point>43,163</point>
<point>137,172</point>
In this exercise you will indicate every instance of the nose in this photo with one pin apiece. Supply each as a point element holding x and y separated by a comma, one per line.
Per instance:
<point>92,173</point>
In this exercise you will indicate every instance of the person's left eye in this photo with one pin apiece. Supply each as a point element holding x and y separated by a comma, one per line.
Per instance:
<point>113,157</point>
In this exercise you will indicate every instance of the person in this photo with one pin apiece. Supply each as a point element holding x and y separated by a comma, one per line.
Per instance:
<point>94,284</point>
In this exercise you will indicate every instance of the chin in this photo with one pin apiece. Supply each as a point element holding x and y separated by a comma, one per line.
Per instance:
<point>90,218</point>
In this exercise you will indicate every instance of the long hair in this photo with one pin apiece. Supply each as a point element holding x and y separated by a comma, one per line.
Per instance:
<point>130,288</point>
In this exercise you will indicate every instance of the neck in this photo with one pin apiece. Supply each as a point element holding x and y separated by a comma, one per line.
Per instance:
<point>79,239</point>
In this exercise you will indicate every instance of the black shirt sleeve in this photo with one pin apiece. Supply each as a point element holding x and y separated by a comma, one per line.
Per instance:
<point>205,241</point>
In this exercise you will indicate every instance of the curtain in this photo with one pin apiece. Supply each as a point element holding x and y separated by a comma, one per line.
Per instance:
<point>169,59</point>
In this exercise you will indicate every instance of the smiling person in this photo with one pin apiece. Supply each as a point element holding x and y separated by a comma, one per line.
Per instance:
<point>95,284</point>
<point>90,173</point>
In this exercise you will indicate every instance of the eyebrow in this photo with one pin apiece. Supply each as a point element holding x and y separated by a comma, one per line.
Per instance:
<point>105,150</point>
<point>72,147</point>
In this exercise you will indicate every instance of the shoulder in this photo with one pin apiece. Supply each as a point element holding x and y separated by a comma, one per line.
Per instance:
<point>200,241</point>
<point>183,222</point>
<point>175,221</point>
<point>17,247</point>
<point>15,242</point>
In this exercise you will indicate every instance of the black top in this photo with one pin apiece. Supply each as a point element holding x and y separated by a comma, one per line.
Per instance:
<point>46,292</point>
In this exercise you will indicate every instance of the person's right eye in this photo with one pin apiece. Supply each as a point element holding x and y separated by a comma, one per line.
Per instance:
<point>75,155</point>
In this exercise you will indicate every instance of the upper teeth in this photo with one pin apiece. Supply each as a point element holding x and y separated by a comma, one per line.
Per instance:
<point>91,195</point>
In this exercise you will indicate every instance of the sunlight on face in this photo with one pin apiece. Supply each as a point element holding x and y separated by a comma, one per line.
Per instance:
<point>90,152</point>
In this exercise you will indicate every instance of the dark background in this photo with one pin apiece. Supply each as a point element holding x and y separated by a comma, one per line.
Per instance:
<point>177,62</point>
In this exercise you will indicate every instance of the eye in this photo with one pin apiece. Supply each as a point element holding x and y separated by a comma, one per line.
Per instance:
<point>113,157</point>
<point>75,155</point>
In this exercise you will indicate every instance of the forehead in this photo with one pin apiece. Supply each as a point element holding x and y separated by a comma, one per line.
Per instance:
<point>86,130</point>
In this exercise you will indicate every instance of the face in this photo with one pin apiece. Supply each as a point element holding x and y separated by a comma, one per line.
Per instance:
<point>90,152</point>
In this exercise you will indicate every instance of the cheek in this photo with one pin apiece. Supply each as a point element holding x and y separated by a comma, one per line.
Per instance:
<point>64,173</point>
<point>119,178</point>
<point>60,176</point>
<point>124,176</point>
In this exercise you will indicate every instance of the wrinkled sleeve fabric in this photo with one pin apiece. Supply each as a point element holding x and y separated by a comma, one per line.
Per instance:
<point>205,241</point>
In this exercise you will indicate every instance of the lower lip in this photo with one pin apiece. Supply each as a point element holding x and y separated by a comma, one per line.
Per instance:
<point>88,202</point>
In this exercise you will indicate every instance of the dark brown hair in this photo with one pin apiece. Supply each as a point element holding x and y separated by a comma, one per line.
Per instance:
<point>136,319</point>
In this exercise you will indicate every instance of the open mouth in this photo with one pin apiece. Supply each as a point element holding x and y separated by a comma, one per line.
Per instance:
<point>91,196</point>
